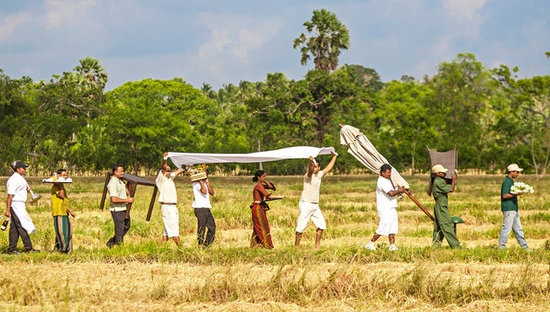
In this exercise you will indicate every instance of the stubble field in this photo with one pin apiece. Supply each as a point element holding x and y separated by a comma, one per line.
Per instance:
<point>146,275</point>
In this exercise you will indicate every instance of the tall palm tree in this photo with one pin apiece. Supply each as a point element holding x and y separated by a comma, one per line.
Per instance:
<point>91,69</point>
<point>327,38</point>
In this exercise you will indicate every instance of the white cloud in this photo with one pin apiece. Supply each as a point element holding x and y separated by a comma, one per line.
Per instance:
<point>465,15</point>
<point>68,13</point>
<point>11,23</point>
<point>232,40</point>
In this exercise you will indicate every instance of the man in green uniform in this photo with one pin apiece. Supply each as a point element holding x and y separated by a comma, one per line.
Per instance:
<point>443,226</point>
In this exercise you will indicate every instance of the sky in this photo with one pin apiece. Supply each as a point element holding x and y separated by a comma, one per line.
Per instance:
<point>221,42</point>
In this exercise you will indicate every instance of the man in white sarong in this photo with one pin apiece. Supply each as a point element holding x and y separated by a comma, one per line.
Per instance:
<point>386,204</point>
<point>168,199</point>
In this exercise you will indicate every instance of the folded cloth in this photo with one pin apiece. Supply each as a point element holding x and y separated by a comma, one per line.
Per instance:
<point>26,222</point>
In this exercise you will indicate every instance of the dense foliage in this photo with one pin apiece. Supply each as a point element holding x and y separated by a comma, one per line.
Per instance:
<point>491,116</point>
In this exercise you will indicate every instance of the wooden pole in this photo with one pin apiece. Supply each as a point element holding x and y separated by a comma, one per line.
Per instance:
<point>409,193</point>
<point>132,189</point>
<point>151,204</point>
<point>104,196</point>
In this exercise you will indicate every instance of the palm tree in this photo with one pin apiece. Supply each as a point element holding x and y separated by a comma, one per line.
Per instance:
<point>91,69</point>
<point>328,37</point>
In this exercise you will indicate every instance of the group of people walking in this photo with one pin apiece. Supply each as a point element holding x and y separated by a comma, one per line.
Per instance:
<point>168,199</point>
<point>386,203</point>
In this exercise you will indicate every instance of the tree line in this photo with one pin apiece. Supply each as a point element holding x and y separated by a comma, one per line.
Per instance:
<point>490,115</point>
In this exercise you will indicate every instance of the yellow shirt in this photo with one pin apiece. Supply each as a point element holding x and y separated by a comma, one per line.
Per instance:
<point>59,205</point>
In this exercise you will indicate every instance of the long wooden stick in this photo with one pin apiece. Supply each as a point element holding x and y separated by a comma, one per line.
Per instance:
<point>409,193</point>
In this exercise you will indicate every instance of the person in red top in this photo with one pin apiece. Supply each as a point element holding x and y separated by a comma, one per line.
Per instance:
<point>261,236</point>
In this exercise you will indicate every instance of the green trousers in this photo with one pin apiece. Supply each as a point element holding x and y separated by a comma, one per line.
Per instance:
<point>444,227</point>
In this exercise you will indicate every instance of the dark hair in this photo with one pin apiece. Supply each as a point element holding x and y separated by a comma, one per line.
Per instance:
<point>385,167</point>
<point>116,166</point>
<point>59,171</point>
<point>258,174</point>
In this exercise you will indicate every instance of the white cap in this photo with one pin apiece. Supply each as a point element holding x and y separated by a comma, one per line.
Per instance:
<point>514,167</point>
<point>439,168</point>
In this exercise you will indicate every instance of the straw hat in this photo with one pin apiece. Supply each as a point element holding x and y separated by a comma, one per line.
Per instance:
<point>439,168</point>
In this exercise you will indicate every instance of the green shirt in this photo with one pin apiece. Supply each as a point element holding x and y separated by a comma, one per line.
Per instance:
<point>440,192</point>
<point>510,204</point>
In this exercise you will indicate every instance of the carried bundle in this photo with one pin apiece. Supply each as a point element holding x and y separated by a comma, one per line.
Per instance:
<point>197,173</point>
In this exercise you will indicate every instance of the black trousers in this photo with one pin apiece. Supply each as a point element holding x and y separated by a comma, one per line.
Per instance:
<point>205,220</point>
<point>16,231</point>
<point>122,225</point>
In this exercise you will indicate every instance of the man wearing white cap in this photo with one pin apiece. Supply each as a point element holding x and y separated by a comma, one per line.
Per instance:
<point>21,223</point>
<point>443,226</point>
<point>509,207</point>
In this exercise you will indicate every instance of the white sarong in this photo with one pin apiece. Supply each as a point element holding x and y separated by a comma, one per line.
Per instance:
<point>23,215</point>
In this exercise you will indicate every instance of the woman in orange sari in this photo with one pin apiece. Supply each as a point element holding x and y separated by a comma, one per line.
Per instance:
<point>261,236</point>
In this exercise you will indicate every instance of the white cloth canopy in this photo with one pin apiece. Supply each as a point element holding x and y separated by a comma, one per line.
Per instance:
<point>363,150</point>
<point>296,152</point>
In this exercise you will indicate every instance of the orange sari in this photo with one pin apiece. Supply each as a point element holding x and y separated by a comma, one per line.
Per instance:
<point>261,236</point>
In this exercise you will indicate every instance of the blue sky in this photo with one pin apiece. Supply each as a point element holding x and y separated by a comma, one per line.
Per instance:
<point>226,41</point>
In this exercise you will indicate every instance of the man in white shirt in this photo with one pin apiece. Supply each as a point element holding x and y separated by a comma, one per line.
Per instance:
<point>120,197</point>
<point>202,190</point>
<point>386,204</point>
<point>168,199</point>
<point>21,223</point>
<point>309,201</point>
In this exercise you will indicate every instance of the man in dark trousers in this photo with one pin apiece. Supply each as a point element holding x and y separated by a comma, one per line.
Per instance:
<point>21,223</point>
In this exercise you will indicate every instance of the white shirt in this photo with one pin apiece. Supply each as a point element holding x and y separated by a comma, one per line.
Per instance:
<point>17,186</point>
<point>117,188</point>
<point>167,188</point>
<point>383,200</point>
<point>312,185</point>
<point>201,200</point>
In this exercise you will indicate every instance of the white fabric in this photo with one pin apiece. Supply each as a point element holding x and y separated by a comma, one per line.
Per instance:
<point>386,206</point>
<point>170,217</point>
<point>201,200</point>
<point>296,152</point>
<point>21,212</point>
<point>310,211</point>
<point>167,188</point>
<point>17,186</point>
<point>363,150</point>
<point>388,221</point>
<point>312,187</point>
<point>383,199</point>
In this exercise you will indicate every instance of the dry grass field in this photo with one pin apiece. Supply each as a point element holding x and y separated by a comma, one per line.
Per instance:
<point>146,275</point>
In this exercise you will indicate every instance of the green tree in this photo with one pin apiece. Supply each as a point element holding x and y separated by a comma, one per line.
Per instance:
<point>464,89</point>
<point>326,39</point>
<point>405,125</point>
<point>525,117</point>
<point>146,118</point>
<point>16,111</point>
<point>66,104</point>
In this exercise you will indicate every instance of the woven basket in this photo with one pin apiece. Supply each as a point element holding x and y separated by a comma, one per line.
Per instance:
<point>197,175</point>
